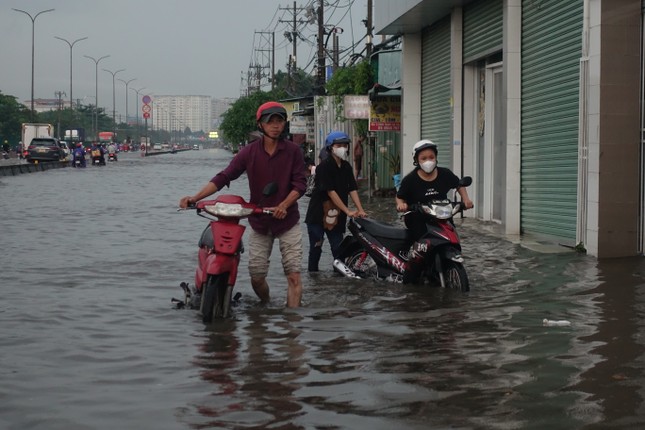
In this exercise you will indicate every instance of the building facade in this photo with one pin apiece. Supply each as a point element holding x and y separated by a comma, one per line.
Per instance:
<point>219,106</point>
<point>175,113</point>
<point>540,102</point>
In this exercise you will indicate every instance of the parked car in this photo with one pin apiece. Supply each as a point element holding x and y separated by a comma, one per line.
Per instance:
<point>45,149</point>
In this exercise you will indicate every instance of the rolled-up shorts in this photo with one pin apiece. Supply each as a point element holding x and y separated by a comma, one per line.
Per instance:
<point>260,246</point>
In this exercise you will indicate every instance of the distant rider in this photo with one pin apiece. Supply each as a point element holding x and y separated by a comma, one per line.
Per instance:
<point>97,152</point>
<point>112,150</point>
<point>78,154</point>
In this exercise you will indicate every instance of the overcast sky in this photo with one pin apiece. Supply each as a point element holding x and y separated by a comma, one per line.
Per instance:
<point>171,47</point>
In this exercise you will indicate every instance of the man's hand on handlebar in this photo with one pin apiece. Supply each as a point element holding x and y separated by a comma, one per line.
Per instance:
<point>279,212</point>
<point>185,202</point>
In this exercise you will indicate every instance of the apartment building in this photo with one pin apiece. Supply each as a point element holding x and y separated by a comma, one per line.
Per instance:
<point>175,113</point>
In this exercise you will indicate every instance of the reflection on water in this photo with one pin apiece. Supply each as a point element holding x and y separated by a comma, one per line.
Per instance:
<point>89,338</point>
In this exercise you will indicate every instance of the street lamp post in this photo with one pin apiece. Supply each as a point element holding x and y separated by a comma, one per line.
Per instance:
<point>114,94</point>
<point>96,92</point>
<point>126,96</point>
<point>33,25</point>
<point>71,47</point>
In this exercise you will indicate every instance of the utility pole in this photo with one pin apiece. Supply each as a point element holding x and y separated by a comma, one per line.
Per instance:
<point>335,54</point>
<point>59,95</point>
<point>256,69</point>
<point>292,36</point>
<point>320,82</point>
<point>369,26</point>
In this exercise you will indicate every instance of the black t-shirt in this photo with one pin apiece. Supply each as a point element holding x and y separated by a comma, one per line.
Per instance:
<point>416,190</point>
<point>331,177</point>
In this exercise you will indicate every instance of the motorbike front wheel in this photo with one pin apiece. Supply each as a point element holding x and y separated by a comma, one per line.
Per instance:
<point>455,276</point>
<point>361,263</point>
<point>216,298</point>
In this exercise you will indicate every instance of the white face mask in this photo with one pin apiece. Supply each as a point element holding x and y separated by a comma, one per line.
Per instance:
<point>428,166</point>
<point>340,153</point>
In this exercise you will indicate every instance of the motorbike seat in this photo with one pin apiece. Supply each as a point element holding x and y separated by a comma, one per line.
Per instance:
<point>383,229</point>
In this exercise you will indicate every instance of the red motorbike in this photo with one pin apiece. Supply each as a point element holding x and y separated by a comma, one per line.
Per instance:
<point>218,258</point>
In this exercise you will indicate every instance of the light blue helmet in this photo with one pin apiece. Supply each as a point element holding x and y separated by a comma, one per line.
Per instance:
<point>337,137</point>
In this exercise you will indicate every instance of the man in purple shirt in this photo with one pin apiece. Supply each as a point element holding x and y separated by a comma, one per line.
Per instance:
<point>269,159</point>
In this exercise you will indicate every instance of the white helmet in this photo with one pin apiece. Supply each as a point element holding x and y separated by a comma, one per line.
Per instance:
<point>420,146</point>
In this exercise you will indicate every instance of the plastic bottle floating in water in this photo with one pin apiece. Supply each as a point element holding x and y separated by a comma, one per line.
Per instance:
<point>553,323</point>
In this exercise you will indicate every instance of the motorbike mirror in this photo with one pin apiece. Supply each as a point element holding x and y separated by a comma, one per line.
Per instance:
<point>270,189</point>
<point>465,181</point>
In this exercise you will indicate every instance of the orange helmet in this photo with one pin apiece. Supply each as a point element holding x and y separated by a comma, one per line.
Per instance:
<point>268,109</point>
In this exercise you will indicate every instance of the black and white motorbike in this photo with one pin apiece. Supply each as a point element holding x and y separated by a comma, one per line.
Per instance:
<point>382,251</point>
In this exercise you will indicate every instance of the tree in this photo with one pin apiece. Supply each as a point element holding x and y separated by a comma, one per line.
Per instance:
<point>299,84</point>
<point>12,115</point>
<point>239,120</point>
<point>356,79</point>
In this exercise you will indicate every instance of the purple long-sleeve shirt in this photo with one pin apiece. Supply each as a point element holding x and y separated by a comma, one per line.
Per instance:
<point>286,167</point>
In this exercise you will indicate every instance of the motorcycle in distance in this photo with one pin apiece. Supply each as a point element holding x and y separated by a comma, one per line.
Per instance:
<point>220,247</point>
<point>380,250</point>
<point>112,156</point>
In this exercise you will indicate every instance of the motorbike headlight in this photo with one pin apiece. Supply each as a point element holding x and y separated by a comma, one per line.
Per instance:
<point>234,210</point>
<point>442,211</point>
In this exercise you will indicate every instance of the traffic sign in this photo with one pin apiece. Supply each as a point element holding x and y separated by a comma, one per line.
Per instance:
<point>146,108</point>
<point>146,99</point>
<point>146,115</point>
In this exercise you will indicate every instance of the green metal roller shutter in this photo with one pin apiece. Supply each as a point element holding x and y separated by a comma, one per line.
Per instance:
<point>483,29</point>
<point>551,50</point>
<point>436,108</point>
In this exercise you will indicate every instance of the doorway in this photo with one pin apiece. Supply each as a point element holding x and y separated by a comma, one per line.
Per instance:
<point>488,130</point>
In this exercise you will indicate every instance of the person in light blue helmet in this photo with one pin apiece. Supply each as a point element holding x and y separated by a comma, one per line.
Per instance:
<point>328,207</point>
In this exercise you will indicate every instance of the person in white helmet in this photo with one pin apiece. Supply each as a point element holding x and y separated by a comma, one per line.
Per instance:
<point>425,183</point>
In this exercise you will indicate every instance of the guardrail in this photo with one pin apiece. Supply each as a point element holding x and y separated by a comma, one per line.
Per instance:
<point>18,168</point>
<point>153,152</point>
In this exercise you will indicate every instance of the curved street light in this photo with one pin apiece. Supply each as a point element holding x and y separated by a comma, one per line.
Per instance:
<point>71,48</point>
<point>126,96</point>
<point>96,92</point>
<point>114,94</point>
<point>33,25</point>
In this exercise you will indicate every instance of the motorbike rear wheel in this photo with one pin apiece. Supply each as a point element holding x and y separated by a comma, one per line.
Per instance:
<point>214,303</point>
<point>455,276</point>
<point>365,267</point>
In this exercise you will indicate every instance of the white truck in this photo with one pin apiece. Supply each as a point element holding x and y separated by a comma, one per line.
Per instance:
<point>31,130</point>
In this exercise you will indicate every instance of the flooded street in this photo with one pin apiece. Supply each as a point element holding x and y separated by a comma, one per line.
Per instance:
<point>89,338</point>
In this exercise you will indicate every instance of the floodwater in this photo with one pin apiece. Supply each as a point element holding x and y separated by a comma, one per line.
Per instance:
<point>89,339</point>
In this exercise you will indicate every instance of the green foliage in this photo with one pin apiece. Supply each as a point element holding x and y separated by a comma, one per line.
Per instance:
<point>298,85</point>
<point>12,115</point>
<point>352,80</point>
<point>394,162</point>
<point>360,127</point>
<point>356,79</point>
<point>239,120</point>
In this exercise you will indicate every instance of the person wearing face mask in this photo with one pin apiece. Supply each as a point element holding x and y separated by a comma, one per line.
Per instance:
<point>328,207</point>
<point>425,183</point>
